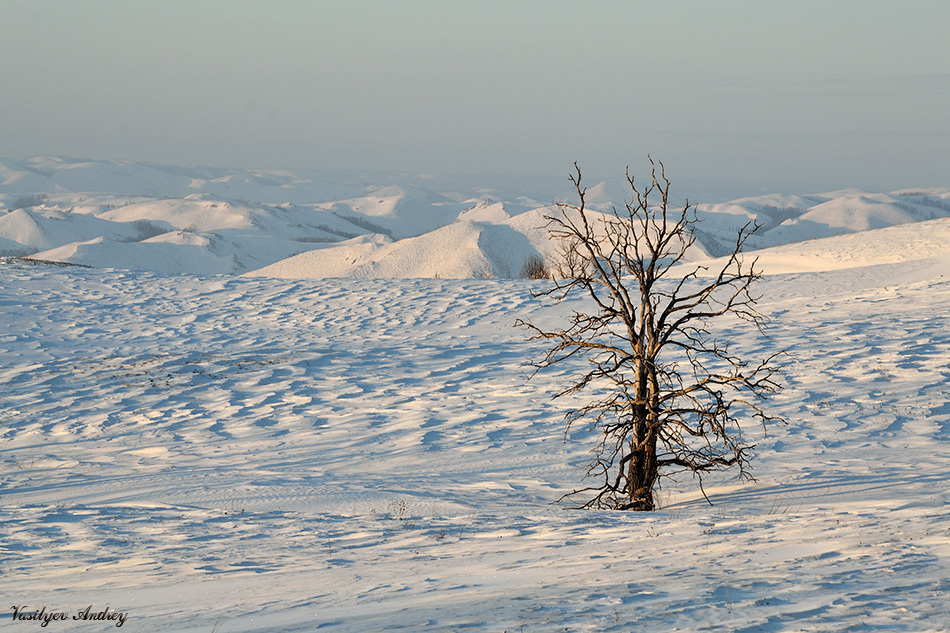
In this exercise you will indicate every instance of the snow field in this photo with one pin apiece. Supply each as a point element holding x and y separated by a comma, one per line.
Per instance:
<point>234,454</point>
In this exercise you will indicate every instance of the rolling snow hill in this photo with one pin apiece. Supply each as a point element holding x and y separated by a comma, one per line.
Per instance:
<point>918,244</point>
<point>463,249</point>
<point>213,221</point>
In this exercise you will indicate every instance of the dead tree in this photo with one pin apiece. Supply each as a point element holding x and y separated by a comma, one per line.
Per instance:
<point>671,396</point>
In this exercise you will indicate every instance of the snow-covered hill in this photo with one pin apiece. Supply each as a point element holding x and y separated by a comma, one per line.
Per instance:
<point>326,224</point>
<point>497,248</point>
<point>922,245</point>
<point>785,219</point>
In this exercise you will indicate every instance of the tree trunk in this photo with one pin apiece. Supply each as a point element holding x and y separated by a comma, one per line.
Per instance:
<point>642,472</point>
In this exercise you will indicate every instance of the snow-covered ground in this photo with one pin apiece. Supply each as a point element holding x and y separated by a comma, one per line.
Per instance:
<point>220,453</point>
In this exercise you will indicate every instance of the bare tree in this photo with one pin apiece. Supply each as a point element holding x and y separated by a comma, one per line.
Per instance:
<point>673,395</point>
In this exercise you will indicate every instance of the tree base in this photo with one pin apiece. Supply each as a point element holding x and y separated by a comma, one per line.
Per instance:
<point>640,505</point>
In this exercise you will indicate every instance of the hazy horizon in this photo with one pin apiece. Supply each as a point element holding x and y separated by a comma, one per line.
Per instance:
<point>838,94</point>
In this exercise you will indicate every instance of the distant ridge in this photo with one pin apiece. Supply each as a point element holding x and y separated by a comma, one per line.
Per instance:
<point>202,220</point>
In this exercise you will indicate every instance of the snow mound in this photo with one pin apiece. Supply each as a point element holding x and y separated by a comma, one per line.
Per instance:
<point>459,250</point>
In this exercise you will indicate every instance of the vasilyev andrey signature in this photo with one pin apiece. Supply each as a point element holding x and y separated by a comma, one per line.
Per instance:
<point>44,616</point>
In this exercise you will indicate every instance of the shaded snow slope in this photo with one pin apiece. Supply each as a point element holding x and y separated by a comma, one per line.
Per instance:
<point>243,455</point>
<point>38,229</point>
<point>173,252</point>
<point>399,212</point>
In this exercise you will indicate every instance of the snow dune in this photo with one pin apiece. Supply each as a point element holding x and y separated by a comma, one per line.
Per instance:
<point>349,455</point>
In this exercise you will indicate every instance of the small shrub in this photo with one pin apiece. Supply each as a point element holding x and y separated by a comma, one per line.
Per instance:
<point>146,230</point>
<point>534,268</point>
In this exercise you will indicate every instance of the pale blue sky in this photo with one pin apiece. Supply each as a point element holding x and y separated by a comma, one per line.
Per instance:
<point>838,92</point>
